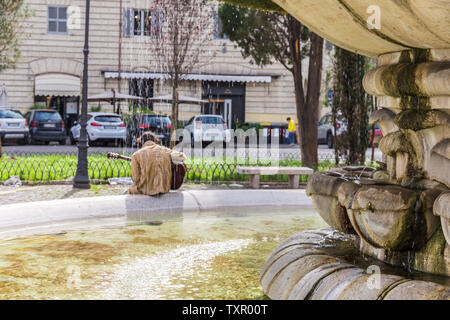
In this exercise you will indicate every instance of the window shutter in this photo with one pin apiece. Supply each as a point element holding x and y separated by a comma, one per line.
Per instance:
<point>127,27</point>
<point>158,23</point>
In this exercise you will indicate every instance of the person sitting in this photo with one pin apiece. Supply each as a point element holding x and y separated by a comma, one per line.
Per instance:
<point>151,166</point>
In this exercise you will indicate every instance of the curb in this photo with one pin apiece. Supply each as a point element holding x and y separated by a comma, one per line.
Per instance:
<point>55,216</point>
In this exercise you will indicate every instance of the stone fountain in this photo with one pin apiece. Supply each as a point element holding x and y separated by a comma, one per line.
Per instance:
<point>399,213</point>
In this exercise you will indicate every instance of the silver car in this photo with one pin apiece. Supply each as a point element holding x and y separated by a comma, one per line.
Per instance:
<point>326,134</point>
<point>101,127</point>
<point>13,125</point>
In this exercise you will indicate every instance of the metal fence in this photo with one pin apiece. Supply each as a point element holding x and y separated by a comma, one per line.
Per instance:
<point>46,167</point>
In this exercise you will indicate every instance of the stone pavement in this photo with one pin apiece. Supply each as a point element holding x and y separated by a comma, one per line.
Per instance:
<point>10,195</point>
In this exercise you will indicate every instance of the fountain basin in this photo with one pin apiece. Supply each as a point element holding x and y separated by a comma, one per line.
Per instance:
<point>325,265</point>
<point>60,215</point>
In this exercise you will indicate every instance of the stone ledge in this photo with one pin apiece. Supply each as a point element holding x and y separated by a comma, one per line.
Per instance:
<point>59,215</point>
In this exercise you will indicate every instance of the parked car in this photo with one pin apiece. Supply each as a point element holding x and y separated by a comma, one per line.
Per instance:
<point>160,125</point>
<point>46,126</point>
<point>378,135</point>
<point>101,127</point>
<point>326,134</point>
<point>13,126</point>
<point>207,128</point>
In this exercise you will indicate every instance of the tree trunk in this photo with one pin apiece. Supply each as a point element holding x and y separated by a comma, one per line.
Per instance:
<point>173,129</point>
<point>311,117</point>
<point>307,108</point>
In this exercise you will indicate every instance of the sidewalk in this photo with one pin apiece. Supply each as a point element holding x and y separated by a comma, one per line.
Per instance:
<point>10,195</point>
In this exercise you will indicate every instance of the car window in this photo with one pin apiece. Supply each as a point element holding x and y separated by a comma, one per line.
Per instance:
<point>212,120</point>
<point>113,119</point>
<point>151,121</point>
<point>47,115</point>
<point>156,121</point>
<point>10,114</point>
<point>166,121</point>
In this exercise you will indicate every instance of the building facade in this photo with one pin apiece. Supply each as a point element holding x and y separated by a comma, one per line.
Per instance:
<point>50,70</point>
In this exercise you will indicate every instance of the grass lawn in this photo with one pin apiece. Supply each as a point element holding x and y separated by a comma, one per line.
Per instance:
<point>62,167</point>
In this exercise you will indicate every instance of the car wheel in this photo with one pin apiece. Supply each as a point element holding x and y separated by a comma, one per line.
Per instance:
<point>62,142</point>
<point>330,141</point>
<point>46,143</point>
<point>23,141</point>
<point>72,140</point>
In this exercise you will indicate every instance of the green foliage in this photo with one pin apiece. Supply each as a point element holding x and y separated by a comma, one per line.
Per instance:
<point>95,108</point>
<point>266,5</point>
<point>263,36</point>
<point>247,125</point>
<point>352,105</point>
<point>37,106</point>
<point>12,14</point>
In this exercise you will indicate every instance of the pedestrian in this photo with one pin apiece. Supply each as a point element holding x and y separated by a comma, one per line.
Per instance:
<point>291,130</point>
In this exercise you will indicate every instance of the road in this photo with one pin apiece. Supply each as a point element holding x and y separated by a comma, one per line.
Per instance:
<point>285,151</point>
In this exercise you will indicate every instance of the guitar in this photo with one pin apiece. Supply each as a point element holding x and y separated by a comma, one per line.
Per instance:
<point>178,170</point>
<point>117,156</point>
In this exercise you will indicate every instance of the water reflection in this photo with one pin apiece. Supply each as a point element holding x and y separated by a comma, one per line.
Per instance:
<point>197,256</point>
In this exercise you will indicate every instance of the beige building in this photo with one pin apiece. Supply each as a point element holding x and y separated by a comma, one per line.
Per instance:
<point>50,71</point>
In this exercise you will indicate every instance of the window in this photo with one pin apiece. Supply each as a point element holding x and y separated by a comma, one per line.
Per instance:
<point>112,119</point>
<point>218,28</point>
<point>142,23</point>
<point>10,114</point>
<point>57,20</point>
<point>47,116</point>
<point>156,121</point>
<point>142,88</point>
<point>212,120</point>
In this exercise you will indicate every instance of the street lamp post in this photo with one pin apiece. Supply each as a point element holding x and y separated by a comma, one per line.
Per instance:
<point>81,180</point>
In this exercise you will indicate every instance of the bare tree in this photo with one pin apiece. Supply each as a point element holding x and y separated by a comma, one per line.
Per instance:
<point>12,14</point>
<point>180,40</point>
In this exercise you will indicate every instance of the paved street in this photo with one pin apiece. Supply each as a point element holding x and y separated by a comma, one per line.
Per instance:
<point>285,151</point>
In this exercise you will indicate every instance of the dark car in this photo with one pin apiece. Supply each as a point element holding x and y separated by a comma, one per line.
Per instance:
<point>46,126</point>
<point>160,125</point>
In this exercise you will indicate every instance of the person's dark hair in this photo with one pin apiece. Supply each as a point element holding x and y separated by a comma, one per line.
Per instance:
<point>288,119</point>
<point>147,136</point>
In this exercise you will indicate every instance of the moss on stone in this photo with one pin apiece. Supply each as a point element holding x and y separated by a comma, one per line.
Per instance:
<point>431,257</point>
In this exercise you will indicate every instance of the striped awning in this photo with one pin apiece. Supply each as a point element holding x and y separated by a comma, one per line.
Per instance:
<point>57,85</point>
<point>192,77</point>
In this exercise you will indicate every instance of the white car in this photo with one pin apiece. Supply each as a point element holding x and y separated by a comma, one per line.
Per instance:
<point>325,132</point>
<point>104,127</point>
<point>207,128</point>
<point>13,126</point>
